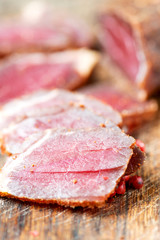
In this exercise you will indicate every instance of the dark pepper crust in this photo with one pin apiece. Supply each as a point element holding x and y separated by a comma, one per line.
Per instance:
<point>136,161</point>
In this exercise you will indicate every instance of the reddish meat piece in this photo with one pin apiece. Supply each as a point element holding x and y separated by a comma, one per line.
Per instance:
<point>52,102</point>
<point>27,73</point>
<point>69,167</point>
<point>20,136</point>
<point>130,35</point>
<point>134,112</point>
<point>46,35</point>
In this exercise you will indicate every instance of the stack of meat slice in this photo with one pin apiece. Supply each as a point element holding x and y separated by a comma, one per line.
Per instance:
<point>26,73</point>
<point>64,148</point>
<point>134,112</point>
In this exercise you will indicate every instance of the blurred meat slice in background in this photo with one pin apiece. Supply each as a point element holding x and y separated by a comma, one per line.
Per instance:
<point>40,28</point>
<point>129,33</point>
<point>26,73</point>
<point>134,112</point>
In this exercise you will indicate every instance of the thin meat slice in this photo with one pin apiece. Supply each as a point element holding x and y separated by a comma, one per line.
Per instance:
<point>26,73</point>
<point>130,35</point>
<point>76,168</point>
<point>45,35</point>
<point>93,149</point>
<point>52,102</point>
<point>67,189</point>
<point>134,112</point>
<point>22,135</point>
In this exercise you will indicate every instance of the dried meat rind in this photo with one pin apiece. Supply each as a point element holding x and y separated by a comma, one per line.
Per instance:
<point>136,161</point>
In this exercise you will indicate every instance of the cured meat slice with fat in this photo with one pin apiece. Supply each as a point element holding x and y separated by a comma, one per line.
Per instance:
<point>26,73</point>
<point>134,112</point>
<point>58,33</point>
<point>130,35</point>
<point>52,102</point>
<point>73,168</point>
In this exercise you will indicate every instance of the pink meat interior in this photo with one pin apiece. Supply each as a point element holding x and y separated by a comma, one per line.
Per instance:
<point>119,42</point>
<point>19,79</point>
<point>118,100</point>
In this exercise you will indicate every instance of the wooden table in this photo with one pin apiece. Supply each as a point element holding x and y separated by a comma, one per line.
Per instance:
<point>133,216</point>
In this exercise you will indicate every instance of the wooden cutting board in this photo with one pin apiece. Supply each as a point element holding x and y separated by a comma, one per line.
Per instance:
<point>133,216</point>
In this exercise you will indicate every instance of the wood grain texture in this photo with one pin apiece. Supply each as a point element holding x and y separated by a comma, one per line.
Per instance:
<point>134,216</point>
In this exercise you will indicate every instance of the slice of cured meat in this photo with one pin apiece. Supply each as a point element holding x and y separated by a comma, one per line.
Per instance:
<point>25,73</point>
<point>20,136</point>
<point>45,35</point>
<point>73,168</point>
<point>134,112</point>
<point>52,102</point>
<point>91,189</point>
<point>130,35</point>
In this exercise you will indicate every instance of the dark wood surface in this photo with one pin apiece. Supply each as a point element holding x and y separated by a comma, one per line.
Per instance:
<point>133,216</point>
